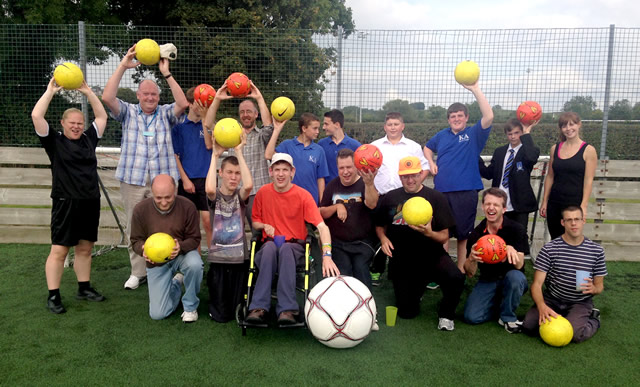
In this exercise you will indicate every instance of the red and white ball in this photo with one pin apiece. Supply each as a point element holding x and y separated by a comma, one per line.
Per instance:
<point>205,94</point>
<point>492,249</point>
<point>238,85</point>
<point>340,312</point>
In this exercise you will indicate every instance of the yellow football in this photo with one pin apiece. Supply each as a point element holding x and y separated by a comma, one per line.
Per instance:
<point>158,247</point>
<point>147,52</point>
<point>228,133</point>
<point>467,72</point>
<point>417,211</point>
<point>68,75</point>
<point>282,109</point>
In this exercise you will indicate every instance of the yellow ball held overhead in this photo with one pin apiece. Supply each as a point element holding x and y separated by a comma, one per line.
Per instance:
<point>417,211</point>
<point>148,52</point>
<point>467,72</point>
<point>282,109</point>
<point>158,247</point>
<point>558,332</point>
<point>68,75</point>
<point>228,133</point>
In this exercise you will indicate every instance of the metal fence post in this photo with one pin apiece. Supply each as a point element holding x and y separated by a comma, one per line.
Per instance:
<point>339,71</point>
<point>82,55</point>
<point>607,92</point>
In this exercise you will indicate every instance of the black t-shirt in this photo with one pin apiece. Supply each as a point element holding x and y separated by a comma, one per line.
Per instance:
<point>359,223</point>
<point>513,233</point>
<point>406,240</point>
<point>73,164</point>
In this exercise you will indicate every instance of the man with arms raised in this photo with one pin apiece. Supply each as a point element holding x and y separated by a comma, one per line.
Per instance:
<point>456,172</point>
<point>557,267</point>
<point>146,146</point>
<point>501,285</point>
<point>281,209</point>
<point>257,137</point>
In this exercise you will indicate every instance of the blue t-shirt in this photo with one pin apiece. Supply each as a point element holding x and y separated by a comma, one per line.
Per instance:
<point>458,158</point>
<point>310,163</point>
<point>331,150</point>
<point>188,144</point>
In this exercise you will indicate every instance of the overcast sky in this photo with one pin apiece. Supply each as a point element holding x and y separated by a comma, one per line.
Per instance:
<point>489,14</point>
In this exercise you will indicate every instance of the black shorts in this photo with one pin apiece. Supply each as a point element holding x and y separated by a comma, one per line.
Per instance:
<point>464,206</point>
<point>73,220</point>
<point>200,197</point>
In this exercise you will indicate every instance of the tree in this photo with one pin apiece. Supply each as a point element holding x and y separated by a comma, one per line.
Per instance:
<point>584,106</point>
<point>435,112</point>
<point>636,111</point>
<point>417,105</point>
<point>403,107</point>
<point>621,110</point>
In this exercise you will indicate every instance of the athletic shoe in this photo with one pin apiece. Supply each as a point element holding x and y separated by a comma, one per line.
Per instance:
<point>257,316</point>
<point>444,324</point>
<point>189,317</point>
<point>432,286</point>
<point>54,304</point>
<point>511,326</point>
<point>179,277</point>
<point>595,314</point>
<point>133,282</point>
<point>89,294</point>
<point>375,279</point>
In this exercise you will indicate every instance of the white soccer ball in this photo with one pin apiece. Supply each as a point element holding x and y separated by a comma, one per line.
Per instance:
<point>340,312</point>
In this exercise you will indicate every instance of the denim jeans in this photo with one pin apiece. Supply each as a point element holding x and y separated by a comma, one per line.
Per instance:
<point>165,292</point>
<point>482,302</point>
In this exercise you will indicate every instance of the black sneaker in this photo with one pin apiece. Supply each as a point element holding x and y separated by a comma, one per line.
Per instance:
<point>595,314</point>
<point>54,304</point>
<point>89,294</point>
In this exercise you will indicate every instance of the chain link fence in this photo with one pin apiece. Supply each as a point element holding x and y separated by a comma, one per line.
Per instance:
<point>594,72</point>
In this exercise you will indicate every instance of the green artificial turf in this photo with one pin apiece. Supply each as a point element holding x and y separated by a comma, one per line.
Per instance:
<point>116,343</point>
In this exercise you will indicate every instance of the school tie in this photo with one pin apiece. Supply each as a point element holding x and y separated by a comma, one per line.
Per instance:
<point>507,168</point>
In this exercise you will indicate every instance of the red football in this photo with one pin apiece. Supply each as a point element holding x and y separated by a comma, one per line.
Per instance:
<point>529,112</point>
<point>238,85</point>
<point>205,94</point>
<point>492,249</point>
<point>367,157</point>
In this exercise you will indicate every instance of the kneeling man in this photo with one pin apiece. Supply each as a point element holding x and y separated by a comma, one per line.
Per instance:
<point>501,285</point>
<point>177,216</point>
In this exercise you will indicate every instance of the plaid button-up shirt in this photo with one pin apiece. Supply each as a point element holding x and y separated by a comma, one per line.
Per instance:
<point>253,153</point>
<point>146,147</point>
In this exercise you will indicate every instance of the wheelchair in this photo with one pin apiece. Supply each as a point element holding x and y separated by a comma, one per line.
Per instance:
<point>305,279</point>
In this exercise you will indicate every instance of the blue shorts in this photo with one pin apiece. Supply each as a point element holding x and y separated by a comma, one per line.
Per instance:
<point>464,205</point>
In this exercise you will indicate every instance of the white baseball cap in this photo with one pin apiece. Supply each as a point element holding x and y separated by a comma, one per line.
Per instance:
<point>282,157</point>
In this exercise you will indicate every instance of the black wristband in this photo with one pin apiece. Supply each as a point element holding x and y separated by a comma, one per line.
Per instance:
<point>168,76</point>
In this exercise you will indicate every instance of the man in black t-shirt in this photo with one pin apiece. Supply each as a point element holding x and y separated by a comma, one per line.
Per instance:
<point>347,206</point>
<point>416,253</point>
<point>501,285</point>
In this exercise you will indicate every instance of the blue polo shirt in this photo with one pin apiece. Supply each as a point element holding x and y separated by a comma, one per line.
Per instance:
<point>331,150</point>
<point>458,158</point>
<point>310,163</point>
<point>188,144</point>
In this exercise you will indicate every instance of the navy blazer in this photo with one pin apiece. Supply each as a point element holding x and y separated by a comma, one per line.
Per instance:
<point>522,197</point>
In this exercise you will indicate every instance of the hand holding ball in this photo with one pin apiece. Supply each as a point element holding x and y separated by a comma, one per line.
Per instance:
<point>205,94</point>
<point>491,248</point>
<point>529,112</point>
<point>227,133</point>
<point>148,52</point>
<point>238,85</point>
<point>558,332</point>
<point>68,75</point>
<point>367,158</point>
<point>282,109</point>
<point>467,72</point>
<point>417,211</point>
<point>158,247</point>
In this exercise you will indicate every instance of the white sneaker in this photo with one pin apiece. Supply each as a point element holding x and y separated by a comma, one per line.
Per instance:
<point>511,326</point>
<point>133,282</point>
<point>180,278</point>
<point>444,324</point>
<point>189,317</point>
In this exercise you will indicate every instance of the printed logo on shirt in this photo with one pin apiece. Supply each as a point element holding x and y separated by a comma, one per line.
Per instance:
<point>463,138</point>
<point>201,133</point>
<point>351,198</point>
<point>313,159</point>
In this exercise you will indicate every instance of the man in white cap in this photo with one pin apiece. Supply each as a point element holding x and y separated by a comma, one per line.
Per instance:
<point>281,209</point>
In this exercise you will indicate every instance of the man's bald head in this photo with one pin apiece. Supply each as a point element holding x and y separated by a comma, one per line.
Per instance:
<point>163,189</point>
